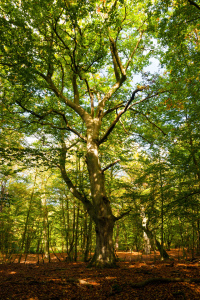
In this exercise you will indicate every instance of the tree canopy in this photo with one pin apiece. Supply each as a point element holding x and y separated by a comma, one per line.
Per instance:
<point>67,73</point>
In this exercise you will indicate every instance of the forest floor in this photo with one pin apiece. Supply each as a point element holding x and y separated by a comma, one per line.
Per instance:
<point>137,277</point>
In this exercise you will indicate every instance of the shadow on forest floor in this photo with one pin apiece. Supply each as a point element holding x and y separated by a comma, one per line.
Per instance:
<point>138,277</point>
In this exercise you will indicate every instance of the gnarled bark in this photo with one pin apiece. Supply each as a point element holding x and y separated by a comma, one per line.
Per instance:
<point>104,219</point>
<point>104,253</point>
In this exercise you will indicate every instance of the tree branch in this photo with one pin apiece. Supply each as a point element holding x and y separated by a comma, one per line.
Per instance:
<point>87,204</point>
<point>113,89</point>
<point>91,98</point>
<point>116,56</point>
<point>77,108</point>
<point>117,76</point>
<point>75,88</point>
<point>63,76</point>
<point>112,109</point>
<point>69,128</point>
<point>29,111</point>
<point>194,4</point>
<point>125,213</point>
<point>148,120</point>
<point>112,126</point>
<point>110,165</point>
<point>134,50</point>
<point>41,117</point>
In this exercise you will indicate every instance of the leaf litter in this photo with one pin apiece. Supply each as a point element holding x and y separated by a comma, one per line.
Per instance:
<point>132,279</point>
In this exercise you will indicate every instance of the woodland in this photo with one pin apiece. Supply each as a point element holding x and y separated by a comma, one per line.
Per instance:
<point>99,149</point>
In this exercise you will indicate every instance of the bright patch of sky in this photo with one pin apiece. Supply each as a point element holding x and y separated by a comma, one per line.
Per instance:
<point>153,68</point>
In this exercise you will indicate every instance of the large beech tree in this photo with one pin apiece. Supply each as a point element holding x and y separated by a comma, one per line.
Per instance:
<point>63,64</point>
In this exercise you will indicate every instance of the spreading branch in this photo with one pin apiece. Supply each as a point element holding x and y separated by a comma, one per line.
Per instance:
<point>69,128</point>
<point>134,50</point>
<point>125,213</point>
<point>147,118</point>
<point>110,165</point>
<point>77,194</point>
<point>112,90</point>
<point>194,4</point>
<point>39,116</point>
<point>123,126</point>
<point>116,56</point>
<point>121,104</point>
<point>54,111</point>
<point>91,98</point>
<point>75,88</point>
<point>112,126</point>
<point>117,75</point>
<point>77,108</point>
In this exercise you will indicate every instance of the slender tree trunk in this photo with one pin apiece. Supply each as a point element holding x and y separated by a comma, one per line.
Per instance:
<point>45,220</point>
<point>66,235</point>
<point>162,212</point>
<point>27,219</point>
<point>198,236</point>
<point>76,235</point>
<point>71,241</point>
<point>84,231</point>
<point>162,251</point>
<point>147,244</point>
<point>117,238</point>
<point>45,227</point>
<point>68,225</point>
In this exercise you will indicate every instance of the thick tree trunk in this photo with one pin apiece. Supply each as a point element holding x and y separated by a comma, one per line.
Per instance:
<point>87,238</point>
<point>104,253</point>
<point>104,220</point>
<point>98,206</point>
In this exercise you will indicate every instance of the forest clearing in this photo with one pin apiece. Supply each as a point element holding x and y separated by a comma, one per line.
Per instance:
<point>139,277</point>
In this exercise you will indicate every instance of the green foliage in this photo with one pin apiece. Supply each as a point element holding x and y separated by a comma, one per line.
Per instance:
<point>55,54</point>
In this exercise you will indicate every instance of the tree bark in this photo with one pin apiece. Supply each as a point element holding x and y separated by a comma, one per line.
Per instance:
<point>104,219</point>
<point>147,244</point>
<point>88,240</point>
<point>76,234</point>
<point>27,218</point>
<point>104,253</point>
<point>98,207</point>
<point>162,251</point>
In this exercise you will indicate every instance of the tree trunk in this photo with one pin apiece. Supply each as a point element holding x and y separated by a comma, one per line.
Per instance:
<point>71,239</point>
<point>198,235</point>
<point>117,238</point>
<point>104,252</point>
<point>45,227</point>
<point>147,244</point>
<point>27,218</point>
<point>98,206</point>
<point>88,240</point>
<point>76,235</point>
<point>162,251</point>
<point>162,211</point>
<point>103,217</point>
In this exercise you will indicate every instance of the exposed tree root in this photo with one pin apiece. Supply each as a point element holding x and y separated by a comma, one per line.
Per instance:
<point>163,280</point>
